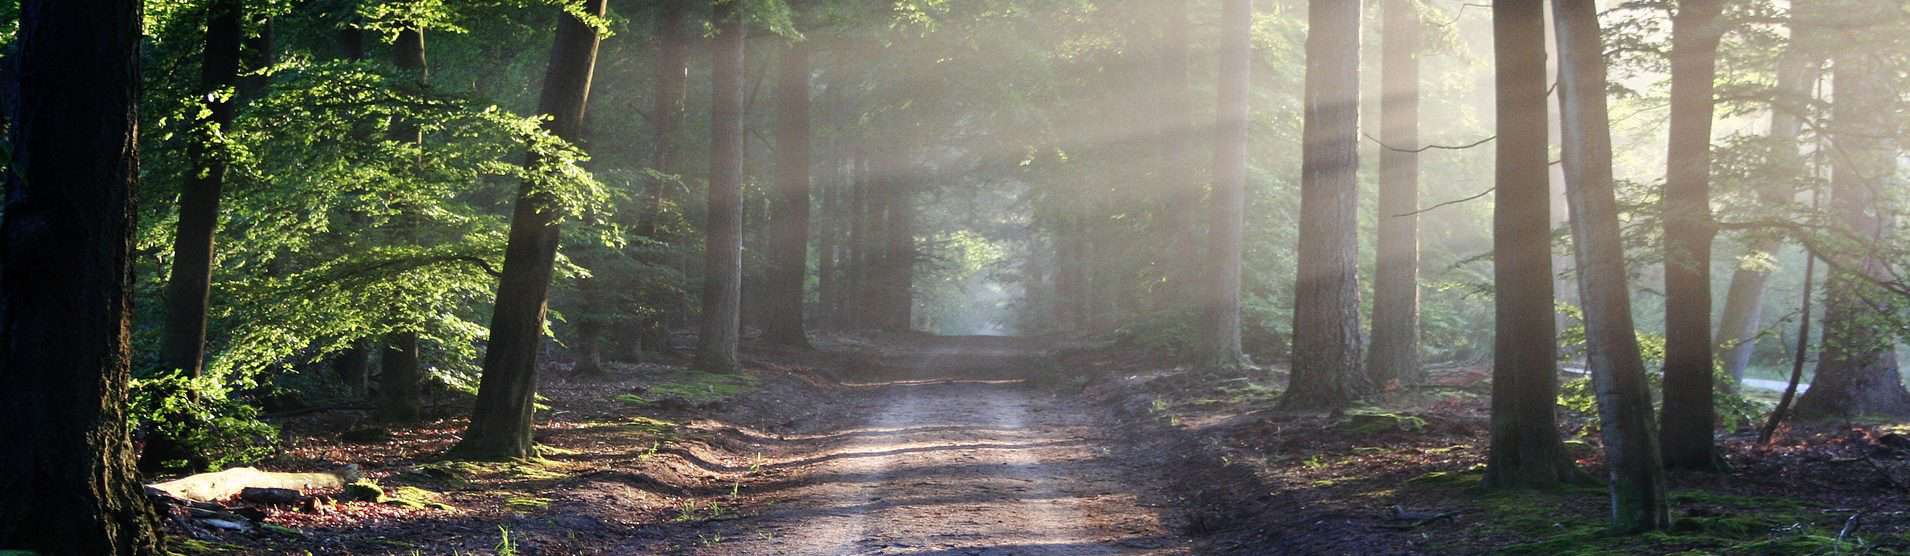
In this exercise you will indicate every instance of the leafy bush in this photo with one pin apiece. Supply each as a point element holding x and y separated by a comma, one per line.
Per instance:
<point>189,424</point>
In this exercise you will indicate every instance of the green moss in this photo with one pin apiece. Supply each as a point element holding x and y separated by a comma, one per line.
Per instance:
<point>1732,525</point>
<point>364,490</point>
<point>462,472</point>
<point>182,546</point>
<point>527,504</point>
<point>415,498</point>
<point>1374,422</point>
<point>692,387</point>
<point>1468,478</point>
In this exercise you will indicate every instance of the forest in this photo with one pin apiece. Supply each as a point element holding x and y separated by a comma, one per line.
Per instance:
<point>954,277</point>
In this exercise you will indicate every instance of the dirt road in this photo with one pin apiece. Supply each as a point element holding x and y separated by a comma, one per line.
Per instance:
<point>944,467</point>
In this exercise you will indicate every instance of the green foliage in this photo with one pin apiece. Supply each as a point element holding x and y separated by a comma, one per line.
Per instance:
<point>1168,333</point>
<point>207,429</point>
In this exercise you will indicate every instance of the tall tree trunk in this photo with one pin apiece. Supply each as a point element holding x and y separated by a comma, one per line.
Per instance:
<point>899,259</point>
<point>829,233</point>
<point>66,305</point>
<point>789,231</point>
<point>353,364</point>
<point>1784,401</point>
<point>1220,332</point>
<point>1637,477</point>
<point>1394,355</point>
<point>855,271</point>
<point>260,52</point>
<point>723,234</point>
<point>673,51</point>
<point>1326,317</point>
<point>399,370</point>
<point>182,348</point>
<point>501,421</point>
<point>1526,450</point>
<point>1689,417</point>
<point>1744,302</point>
<point>1857,373</point>
<point>1180,144</point>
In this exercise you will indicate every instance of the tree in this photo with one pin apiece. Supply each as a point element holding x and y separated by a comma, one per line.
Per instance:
<point>1180,145</point>
<point>789,218</point>
<point>501,420</point>
<point>1526,451</point>
<point>723,224</point>
<point>188,292</point>
<point>1637,477</point>
<point>1227,208</point>
<point>399,370</point>
<point>1326,318</point>
<point>1394,354</point>
<point>672,81</point>
<point>66,246</point>
<point>1689,417</point>
<point>1744,301</point>
<point>1857,373</point>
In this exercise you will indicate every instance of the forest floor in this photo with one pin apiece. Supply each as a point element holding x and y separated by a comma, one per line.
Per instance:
<point>912,444</point>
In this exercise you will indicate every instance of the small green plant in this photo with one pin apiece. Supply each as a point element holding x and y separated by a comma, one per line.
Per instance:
<point>190,424</point>
<point>505,546</point>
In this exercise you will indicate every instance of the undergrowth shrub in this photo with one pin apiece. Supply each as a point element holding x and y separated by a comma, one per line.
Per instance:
<point>188,424</point>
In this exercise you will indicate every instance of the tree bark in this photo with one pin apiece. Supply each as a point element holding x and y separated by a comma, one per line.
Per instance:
<point>1744,301</point>
<point>1220,346</point>
<point>1857,373</point>
<point>1326,318</point>
<point>899,242</point>
<point>1637,477</point>
<point>501,421</point>
<point>1394,354</point>
<point>182,347</point>
<point>399,370</point>
<point>1179,142</point>
<point>723,234</point>
<point>789,230</point>
<point>1689,417</point>
<point>673,51</point>
<point>1526,451</point>
<point>66,305</point>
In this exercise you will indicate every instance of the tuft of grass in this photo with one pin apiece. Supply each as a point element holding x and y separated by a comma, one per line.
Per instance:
<point>527,504</point>
<point>692,387</point>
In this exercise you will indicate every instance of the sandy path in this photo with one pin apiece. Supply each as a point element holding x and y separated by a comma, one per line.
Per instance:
<point>946,468</point>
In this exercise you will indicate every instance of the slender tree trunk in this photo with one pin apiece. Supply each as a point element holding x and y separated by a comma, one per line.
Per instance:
<point>501,421</point>
<point>1637,477</point>
<point>260,52</point>
<point>673,46</point>
<point>1526,450</point>
<point>1744,303</point>
<point>899,263</point>
<point>1783,409</point>
<point>1220,333</point>
<point>1689,417</point>
<point>66,306</point>
<point>723,239</point>
<point>1857,373</point>
<point>353,365</point>
<point>188,293</point>
<point>1179,142</point>
<point>829,232</point>
<point>399,370</point>
<point>789,231</point>
<point>1326,318</point>
<point>1394,355</point>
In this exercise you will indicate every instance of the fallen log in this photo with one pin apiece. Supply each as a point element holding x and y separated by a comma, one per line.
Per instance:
<point>208,487</point>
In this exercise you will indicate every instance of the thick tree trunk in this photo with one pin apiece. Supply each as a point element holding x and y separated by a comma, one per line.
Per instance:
<point>399,379</point>
<point>501,421</point>
<point>182,347</point>
<point>673,51</point>
<point>66,306</point>
<point>1526,450</point>
<point>723,234</point>
<point>789,231</point>
<point>1744,302</point>
<point>829,232</point>
<point>1394,354</point>
<point>399,370</point>
<point>1637,476</point>
<point>1326,310</point>
<point>353,367</point>
<point>1220,331</point>
<point>1689,418</point>
<point>1857,373</point>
